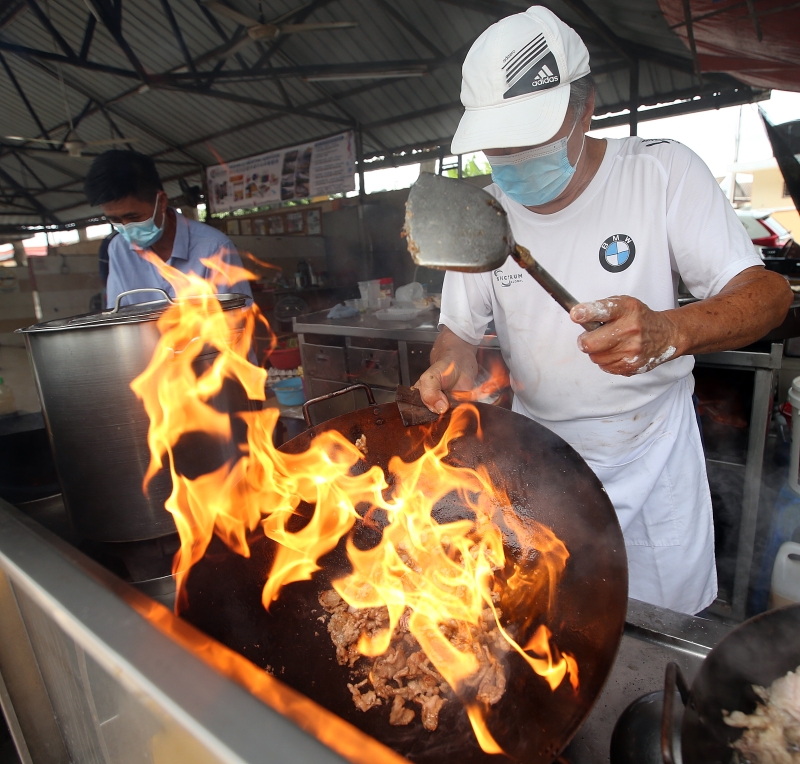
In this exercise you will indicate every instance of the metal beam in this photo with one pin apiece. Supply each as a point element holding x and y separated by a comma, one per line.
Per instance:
<point>10,10</point>
<point>37,205</point>
<point>495,8</point>
<point>44,20</point>
<point>411,66</point>
<point>419,114</point>
<point>633,88</point>
<point>35,53</point>
<point>24,98</point>
<point>404,23</point>
<point>687,15</point>
<point>247,101</point>
<point>111,17</point>
<point>88,36</point>
<point>619,46</point>
<point>79,88</point>
<point>704,103</point>
<point>176,31</point>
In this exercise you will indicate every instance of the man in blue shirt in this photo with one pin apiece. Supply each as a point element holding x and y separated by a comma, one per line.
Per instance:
<point>126,186</point>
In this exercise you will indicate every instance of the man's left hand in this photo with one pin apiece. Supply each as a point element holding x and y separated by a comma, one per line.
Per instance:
<point>633,338</point>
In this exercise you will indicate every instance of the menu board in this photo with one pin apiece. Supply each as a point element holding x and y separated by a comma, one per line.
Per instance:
<point>311,169</point>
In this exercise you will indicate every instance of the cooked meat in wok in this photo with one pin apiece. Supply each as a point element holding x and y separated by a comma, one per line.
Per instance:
<point>772,732</point>
<point>403,676</point>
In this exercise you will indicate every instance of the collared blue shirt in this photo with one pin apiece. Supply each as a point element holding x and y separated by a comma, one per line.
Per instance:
<point>193,242</point>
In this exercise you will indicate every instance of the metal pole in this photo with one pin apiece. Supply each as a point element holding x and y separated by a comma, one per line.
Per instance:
<point>360,160</point>
<point>634,97</point>
<point>441,160</point>
<point>460,168</point>
<point>759,419</point>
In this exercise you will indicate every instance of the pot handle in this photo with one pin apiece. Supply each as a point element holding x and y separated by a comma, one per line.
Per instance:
<point>117,302</point>
<point>359,386</point>
<point>673,679</point>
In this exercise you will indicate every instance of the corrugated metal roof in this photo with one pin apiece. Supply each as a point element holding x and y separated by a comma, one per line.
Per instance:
<point>229,110</point>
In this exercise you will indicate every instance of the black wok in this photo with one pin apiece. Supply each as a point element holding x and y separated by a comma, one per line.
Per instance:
<point>757,652</point>
<point>546,480</point>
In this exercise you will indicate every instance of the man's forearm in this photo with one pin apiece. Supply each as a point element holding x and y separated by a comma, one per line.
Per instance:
<point>635,339</point>
<point>449,347</point>
<point>751,304</point>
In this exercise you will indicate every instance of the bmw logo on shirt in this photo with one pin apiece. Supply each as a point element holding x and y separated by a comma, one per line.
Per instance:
<point>617,253</point>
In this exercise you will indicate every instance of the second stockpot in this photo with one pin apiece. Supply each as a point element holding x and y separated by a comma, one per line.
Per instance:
<point>83,368</point>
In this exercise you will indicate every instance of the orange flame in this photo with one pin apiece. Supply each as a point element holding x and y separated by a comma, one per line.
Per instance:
<point>441,573</point>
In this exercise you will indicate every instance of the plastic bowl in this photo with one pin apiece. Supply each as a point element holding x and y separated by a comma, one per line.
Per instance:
<point>287,358</point>
<point>289,392</point>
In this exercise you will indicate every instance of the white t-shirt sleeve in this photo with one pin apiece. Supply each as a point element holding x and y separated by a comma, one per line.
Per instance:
<point>707,241</point>
<point>466,306</point>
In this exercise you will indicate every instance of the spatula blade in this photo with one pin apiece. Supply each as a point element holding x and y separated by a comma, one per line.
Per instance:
<point>453,225</point>
<point>412,410</point>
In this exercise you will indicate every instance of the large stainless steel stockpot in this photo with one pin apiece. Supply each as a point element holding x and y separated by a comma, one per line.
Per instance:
<point>83,368</point>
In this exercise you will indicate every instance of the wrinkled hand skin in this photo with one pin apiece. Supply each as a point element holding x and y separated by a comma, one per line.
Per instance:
<point>633,339</point>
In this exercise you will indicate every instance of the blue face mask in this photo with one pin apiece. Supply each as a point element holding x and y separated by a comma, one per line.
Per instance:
<point>143,234</point>
<point>535,176</point>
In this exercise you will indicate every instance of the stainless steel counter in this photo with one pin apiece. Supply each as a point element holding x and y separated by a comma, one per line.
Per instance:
<point>92,670</point>
<point>424,328</point>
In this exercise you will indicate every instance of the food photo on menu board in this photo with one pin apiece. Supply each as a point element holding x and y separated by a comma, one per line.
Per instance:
<point>320,168</point>
<point>314,223</point>
<point>275,223</point>
<point>294,222</point>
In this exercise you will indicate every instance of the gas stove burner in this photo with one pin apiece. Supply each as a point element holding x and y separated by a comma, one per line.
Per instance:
<point>637,734</point>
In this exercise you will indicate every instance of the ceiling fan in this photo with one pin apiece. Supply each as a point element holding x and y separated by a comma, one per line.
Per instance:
<point>260,30</point>
<point>73,146</point>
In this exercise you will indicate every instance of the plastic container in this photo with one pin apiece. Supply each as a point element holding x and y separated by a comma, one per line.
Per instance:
<point>289,392</point>
<point>363,287</point>
<point>397,314</point>
<point>384,302</point>
<point>373,293</point>
<point>7,403</point>
<point>286,358</point>
<point>786,576</point>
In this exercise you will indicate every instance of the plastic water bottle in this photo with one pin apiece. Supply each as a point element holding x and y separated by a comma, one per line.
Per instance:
<point>786,576</point>
<point>7,404</point>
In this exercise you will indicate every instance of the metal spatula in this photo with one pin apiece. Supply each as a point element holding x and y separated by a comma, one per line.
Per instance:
<point>453,225</point>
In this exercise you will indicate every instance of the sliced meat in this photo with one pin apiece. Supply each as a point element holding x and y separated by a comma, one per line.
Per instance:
<point>399,716</point>
<point>431,705</point>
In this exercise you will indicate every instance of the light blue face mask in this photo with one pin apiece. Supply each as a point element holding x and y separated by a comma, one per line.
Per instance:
<point>143,234</point>
<point>535,176</point>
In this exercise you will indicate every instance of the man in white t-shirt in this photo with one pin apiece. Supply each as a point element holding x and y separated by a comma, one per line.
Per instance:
<point>605,217</point>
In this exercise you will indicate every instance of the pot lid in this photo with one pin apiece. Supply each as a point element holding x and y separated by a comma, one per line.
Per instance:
<point>129,314</point>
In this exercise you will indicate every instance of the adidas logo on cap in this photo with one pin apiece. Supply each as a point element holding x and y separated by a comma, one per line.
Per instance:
<point>544,76</point>
<point>536,56</point>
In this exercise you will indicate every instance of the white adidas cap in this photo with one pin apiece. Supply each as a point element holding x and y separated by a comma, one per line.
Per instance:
<point>515,81</point>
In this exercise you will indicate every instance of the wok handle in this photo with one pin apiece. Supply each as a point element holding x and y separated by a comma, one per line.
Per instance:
<point>673,679</point>
<point>360,386</point>
<point>550,285</point>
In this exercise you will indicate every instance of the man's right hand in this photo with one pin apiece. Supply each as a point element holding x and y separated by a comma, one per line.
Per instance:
<point>453,367</point>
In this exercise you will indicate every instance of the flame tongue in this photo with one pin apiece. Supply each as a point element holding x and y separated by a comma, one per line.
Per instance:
<point>447,576</point>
